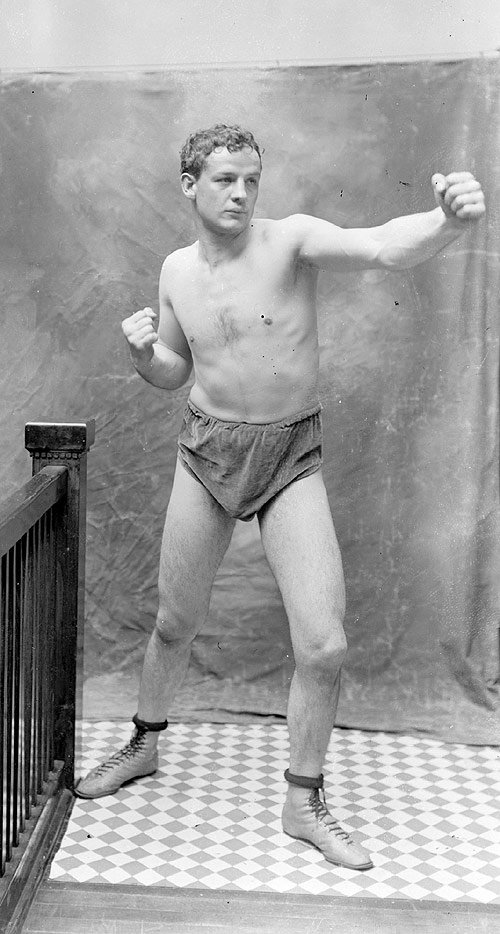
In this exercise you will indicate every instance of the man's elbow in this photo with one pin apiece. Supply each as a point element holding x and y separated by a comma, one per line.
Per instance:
<point>183,372</point>
<point>386,253</point>
<point>394,259</point>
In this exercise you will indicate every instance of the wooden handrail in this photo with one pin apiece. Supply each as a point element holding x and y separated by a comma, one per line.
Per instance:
<point>20,511</point>
<point>42,558</point>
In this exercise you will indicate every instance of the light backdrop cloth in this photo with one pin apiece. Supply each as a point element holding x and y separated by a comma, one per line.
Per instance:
<point>90,204</point>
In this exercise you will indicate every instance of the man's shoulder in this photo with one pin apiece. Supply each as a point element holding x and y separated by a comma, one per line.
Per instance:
<point>289,226</point>
<point>179,258</point>
<point>174,265</point>
<point>275,224</point>
<point>286,232</point>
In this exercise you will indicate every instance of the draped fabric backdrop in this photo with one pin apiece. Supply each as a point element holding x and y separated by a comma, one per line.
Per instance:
<point>90,205</point>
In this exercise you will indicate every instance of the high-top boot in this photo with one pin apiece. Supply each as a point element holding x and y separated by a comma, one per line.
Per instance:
<point>306,817</point>
<point>136,760</point>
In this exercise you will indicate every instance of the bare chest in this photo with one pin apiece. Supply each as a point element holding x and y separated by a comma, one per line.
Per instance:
<point>232,305</point>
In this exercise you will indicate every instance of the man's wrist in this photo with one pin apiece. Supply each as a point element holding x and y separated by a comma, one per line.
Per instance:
<point>450,221</point>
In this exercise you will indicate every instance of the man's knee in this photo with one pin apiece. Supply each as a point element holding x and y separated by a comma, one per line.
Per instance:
<point>323,657</point>
<point>174,628</point>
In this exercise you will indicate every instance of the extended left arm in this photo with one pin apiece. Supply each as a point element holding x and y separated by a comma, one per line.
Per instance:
<point>402,242</point>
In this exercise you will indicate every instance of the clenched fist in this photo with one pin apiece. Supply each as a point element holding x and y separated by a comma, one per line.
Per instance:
<point>459,195</point>
<point>140,333</point>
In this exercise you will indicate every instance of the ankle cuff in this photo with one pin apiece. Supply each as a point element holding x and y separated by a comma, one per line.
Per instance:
<point>303,781</point>
<point>150,727</point>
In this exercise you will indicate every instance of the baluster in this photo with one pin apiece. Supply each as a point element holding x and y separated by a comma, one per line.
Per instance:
<point>67,444</point>
<point>3,663</point>
<point>28,669</point>
<point>8,709</point>
<point>15,694</point>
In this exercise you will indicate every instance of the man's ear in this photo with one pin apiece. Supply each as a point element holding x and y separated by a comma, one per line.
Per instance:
<point>188,184</point>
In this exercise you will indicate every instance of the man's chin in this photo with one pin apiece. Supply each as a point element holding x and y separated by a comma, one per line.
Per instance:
<point>234,221</point>
<point>239,220</point>
<point>229,222</point>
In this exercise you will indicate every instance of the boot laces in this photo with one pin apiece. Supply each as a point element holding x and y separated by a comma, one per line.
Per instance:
<point>317,802</point>
<point>135,744</point>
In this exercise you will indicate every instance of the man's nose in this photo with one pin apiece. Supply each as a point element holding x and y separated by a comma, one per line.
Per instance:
<point>239,190</point>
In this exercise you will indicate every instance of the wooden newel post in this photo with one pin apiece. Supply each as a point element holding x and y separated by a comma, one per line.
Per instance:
<point>65,444</point>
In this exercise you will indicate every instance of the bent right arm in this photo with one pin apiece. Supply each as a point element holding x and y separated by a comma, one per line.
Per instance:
<point>154,361</point>
<point>162,358</point>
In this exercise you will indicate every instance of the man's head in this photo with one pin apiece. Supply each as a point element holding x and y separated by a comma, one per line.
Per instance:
<point>199,145</point>
<point>220,176</point>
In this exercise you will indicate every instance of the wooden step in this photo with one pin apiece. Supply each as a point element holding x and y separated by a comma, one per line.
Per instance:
<point>89,908</point>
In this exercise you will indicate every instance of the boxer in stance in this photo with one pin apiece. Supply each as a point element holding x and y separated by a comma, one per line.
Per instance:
<point>239,306</point>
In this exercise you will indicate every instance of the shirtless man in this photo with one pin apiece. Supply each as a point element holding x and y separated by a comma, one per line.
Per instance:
<point>239,305</point>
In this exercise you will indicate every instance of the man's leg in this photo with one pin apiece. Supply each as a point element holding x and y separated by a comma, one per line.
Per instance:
<point>302,549</point>
<point>196,535</point>
<point>301,546</point>
<point>195,538</point>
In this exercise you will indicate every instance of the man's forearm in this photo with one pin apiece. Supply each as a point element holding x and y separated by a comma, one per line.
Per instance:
<point>410,240</point>
<point>163,368</point>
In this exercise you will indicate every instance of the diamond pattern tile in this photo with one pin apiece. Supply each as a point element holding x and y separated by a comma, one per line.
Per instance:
<point>428,812</point>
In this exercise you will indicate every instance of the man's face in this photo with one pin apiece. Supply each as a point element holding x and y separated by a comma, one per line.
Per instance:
<point>227,189</point>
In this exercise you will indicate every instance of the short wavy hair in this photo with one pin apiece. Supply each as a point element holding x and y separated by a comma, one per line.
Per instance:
<point>200,144</point>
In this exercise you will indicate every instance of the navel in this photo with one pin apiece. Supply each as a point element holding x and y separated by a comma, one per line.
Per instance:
<point>266,320</point>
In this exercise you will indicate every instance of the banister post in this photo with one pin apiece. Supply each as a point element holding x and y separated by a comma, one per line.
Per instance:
<point>64,443</point>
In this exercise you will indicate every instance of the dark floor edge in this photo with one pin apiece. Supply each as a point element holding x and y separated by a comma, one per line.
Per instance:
<point>28,872</point>
<point>276,898</point>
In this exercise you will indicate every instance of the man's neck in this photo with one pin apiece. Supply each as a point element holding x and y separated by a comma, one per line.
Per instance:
<point>216,248</point>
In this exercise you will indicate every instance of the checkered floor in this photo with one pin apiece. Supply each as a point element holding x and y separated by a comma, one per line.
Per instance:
<point>210,817</point>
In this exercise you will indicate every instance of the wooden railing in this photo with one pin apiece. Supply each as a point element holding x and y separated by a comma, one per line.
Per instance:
<point>42,555</point>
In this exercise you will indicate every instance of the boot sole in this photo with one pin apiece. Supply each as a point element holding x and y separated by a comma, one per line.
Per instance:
<point>361,868</point>
<point>104,794</point>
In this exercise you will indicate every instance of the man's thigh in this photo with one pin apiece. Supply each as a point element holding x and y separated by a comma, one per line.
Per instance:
<point>195,538</point>
<point>301,546</point>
